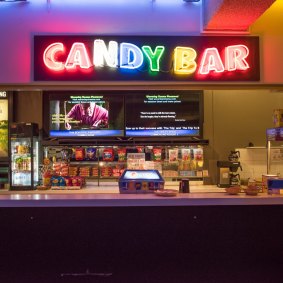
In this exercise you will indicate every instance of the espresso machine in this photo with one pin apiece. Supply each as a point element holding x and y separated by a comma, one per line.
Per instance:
<point>234,155</point>
<point>226,173</point>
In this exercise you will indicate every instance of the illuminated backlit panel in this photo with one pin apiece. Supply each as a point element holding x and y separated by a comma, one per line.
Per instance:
<point>146,58</point>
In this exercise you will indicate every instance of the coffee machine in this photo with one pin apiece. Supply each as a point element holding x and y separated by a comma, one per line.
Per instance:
<point>234,155</point>
<point>226,173</point>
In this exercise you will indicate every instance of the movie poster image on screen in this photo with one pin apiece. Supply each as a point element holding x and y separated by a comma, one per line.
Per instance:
<point>79,115</point>
<point>164,113</point>
<point>82,115</point>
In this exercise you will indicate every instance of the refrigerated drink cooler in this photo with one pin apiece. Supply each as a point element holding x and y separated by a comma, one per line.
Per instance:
<point>24,147</point>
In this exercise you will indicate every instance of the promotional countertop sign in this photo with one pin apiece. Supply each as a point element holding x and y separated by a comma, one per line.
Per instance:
<point>148,58</point>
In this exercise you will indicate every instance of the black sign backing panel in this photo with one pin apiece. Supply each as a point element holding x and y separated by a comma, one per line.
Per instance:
<point>167,62</point>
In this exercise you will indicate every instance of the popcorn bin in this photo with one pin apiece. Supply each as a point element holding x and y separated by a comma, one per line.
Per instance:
<point>140,181</point>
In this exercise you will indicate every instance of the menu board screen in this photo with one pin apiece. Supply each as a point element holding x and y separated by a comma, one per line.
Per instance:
<point>164,113</point>
<point>81,114</point>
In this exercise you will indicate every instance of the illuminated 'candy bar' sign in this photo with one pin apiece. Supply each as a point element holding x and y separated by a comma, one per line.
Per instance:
<point>148,58</point>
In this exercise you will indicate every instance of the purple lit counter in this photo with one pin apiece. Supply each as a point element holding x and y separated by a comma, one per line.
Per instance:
<point>109,196</point>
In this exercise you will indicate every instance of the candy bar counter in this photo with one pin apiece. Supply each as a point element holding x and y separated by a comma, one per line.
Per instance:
<point>108,195</point>
<point>82,225</point>
<point>97,234</point>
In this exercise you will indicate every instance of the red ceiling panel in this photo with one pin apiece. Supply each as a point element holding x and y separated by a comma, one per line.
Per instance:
<point>234,15</point>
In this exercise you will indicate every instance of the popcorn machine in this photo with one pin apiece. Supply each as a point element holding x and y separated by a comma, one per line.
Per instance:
<point>24,147</point>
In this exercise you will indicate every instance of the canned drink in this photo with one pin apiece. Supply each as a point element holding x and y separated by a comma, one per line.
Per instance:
<point>151,186</point>
<point>138,186</point>
<point>265,178</point>
<point>131,185</point>
<point>46,181</point>
<point>144,186</point>
<point>180,187</point>
<point>185,186</point>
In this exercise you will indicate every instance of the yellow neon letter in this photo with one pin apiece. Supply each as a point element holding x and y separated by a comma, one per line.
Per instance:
<point>184,60</point>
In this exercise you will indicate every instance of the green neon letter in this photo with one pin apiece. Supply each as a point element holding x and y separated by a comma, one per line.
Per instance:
<point>153,57</point>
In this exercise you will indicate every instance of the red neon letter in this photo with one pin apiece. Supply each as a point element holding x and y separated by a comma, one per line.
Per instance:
<point>49,56</point>
<point>235,56</point>
<point>211,61</point>
<point>78,57</point>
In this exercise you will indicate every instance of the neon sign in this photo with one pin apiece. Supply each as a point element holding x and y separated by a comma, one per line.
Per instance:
<point>191,58</point>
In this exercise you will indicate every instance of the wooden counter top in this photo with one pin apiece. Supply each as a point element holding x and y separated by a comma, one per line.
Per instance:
<point>109,196</point>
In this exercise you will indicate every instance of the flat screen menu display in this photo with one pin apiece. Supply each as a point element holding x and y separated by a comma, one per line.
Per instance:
<point>84,114</point>
<point>164,113</point>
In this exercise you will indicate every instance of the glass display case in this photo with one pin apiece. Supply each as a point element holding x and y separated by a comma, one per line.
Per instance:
<point>24,146</point>
<point>140,181</point>
<point>107,163</point>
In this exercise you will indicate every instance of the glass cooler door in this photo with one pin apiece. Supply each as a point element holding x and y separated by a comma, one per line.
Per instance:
<point>21,163</point>
<point>35,161</point>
